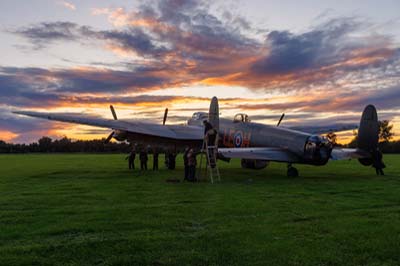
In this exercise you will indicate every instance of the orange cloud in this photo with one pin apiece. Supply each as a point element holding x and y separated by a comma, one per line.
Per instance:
<point>7,136</point>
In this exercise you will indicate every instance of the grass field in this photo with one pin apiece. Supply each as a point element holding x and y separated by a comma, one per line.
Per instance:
<point>90,210</point>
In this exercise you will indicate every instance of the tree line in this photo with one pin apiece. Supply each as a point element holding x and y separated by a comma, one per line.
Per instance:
<point>46,144</point>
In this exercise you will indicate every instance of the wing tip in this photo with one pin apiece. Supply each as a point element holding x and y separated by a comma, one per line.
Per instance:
<point>18,112</point>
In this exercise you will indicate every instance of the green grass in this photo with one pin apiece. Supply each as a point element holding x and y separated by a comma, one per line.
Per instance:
<point>90,210</point>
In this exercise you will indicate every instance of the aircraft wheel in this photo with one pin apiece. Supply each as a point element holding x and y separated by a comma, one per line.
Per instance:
<point>292,172</point>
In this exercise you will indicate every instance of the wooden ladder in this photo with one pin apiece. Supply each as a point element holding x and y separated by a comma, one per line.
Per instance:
<point>210,151</point>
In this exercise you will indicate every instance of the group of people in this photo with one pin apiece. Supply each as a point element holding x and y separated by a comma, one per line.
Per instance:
<point>189,159</point>
<point>143,158</point>
<point>189,155</point>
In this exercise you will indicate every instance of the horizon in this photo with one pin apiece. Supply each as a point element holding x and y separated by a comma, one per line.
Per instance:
<point>320,63</point>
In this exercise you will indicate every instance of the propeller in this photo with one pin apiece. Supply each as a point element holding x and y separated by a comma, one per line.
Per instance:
<point>113,132</point>
<point>280,119</point>
<point>113,112</point>
<point>165,116</point>
<point>109,138</point>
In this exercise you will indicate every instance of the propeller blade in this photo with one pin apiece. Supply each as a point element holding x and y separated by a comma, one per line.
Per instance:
<point>109,138</point>
<point>280,119</point>
<point>113,112</point>
<point>165,116</point>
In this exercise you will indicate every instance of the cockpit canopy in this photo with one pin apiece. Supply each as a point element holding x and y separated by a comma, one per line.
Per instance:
<point>241,118</point>
<point>200,116</point>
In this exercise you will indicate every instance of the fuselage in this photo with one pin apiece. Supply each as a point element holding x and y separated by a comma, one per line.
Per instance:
<point>308,148</point>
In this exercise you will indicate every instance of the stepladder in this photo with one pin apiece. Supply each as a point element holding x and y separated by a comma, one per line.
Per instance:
<point>210,151</point>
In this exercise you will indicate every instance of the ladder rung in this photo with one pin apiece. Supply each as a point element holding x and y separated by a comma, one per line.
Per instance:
<point>211,154</point>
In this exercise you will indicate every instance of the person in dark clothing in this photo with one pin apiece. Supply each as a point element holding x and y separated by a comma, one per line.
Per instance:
<point>378,163</point>
<point>131,159</point>
<point>211,136</point>
<point>210,133</point>
<point>185,163</point>
<point>192,162</point>
<point>155,160</point>
<point>171,161</point>
<point>166,163</point>
<point>207,126</point>
<point>143,159</point>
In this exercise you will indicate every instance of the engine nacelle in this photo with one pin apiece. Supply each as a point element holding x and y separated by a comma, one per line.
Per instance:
<point>254,164</point>
<point>120,135</point>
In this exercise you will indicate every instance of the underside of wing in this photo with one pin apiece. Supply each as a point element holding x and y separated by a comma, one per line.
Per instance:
<point>325,129</point>
<point>171,132</point>
<point>345,154</point>
<point>262,153</point>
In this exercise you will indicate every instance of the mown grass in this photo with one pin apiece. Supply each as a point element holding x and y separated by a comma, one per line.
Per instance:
<point>81,209</point>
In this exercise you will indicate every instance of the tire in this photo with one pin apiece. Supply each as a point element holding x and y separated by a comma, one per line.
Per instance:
<point>292,172</point>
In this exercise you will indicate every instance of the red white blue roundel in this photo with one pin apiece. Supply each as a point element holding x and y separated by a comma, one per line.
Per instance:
<point>237,139</point>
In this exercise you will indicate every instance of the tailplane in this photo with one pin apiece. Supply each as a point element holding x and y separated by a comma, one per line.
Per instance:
<point>368,134</point>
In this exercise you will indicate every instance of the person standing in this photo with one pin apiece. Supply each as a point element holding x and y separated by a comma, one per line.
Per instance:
<point>378,163</point>
<point>211,137</point>
<point>207,126</point>
<point>191,156</point>
<point>185,163</point>
<point>171,161</point>
<point>143,159</point>
<point>131,159</point>
<point>155,159</point>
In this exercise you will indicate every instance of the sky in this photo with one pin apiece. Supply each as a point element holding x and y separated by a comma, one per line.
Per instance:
<point>319,62</point>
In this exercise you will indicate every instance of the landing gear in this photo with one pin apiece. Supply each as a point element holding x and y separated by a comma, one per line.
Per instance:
<point>291,171</point>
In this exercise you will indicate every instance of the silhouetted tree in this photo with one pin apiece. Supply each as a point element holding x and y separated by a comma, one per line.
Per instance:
<point>45,144</point>
<point>353,142</point>
<point>62,145</point>
<point>385,135</point>
<point>385,131</point>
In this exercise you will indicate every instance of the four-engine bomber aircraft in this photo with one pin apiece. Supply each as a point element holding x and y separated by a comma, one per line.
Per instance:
<point>256,144</point>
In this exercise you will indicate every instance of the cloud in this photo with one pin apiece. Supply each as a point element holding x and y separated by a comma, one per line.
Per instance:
<point>338,65</point>
<point>334,101</point>
<point>24,129</point>
<point>45,33</point>
<point>84,80</point>
<point>68,5</point>
<point>184,40</point>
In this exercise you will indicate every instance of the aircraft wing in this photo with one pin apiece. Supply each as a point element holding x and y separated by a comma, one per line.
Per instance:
<point>325,129</point>
<point>345,154</point>
<point>262,153</point>
<point>172,132</point>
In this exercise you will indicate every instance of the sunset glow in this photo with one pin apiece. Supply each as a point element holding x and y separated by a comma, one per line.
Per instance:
<point>143,57</point>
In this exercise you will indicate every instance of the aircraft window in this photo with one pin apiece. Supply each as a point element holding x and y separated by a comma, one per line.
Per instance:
<point>203,116</point>
<point>241,118</point>
<point>196,116</point>
<point>238,118</point>
<point>199,116</point>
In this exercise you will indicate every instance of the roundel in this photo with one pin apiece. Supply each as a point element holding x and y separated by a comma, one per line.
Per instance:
<point>238,140</point>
